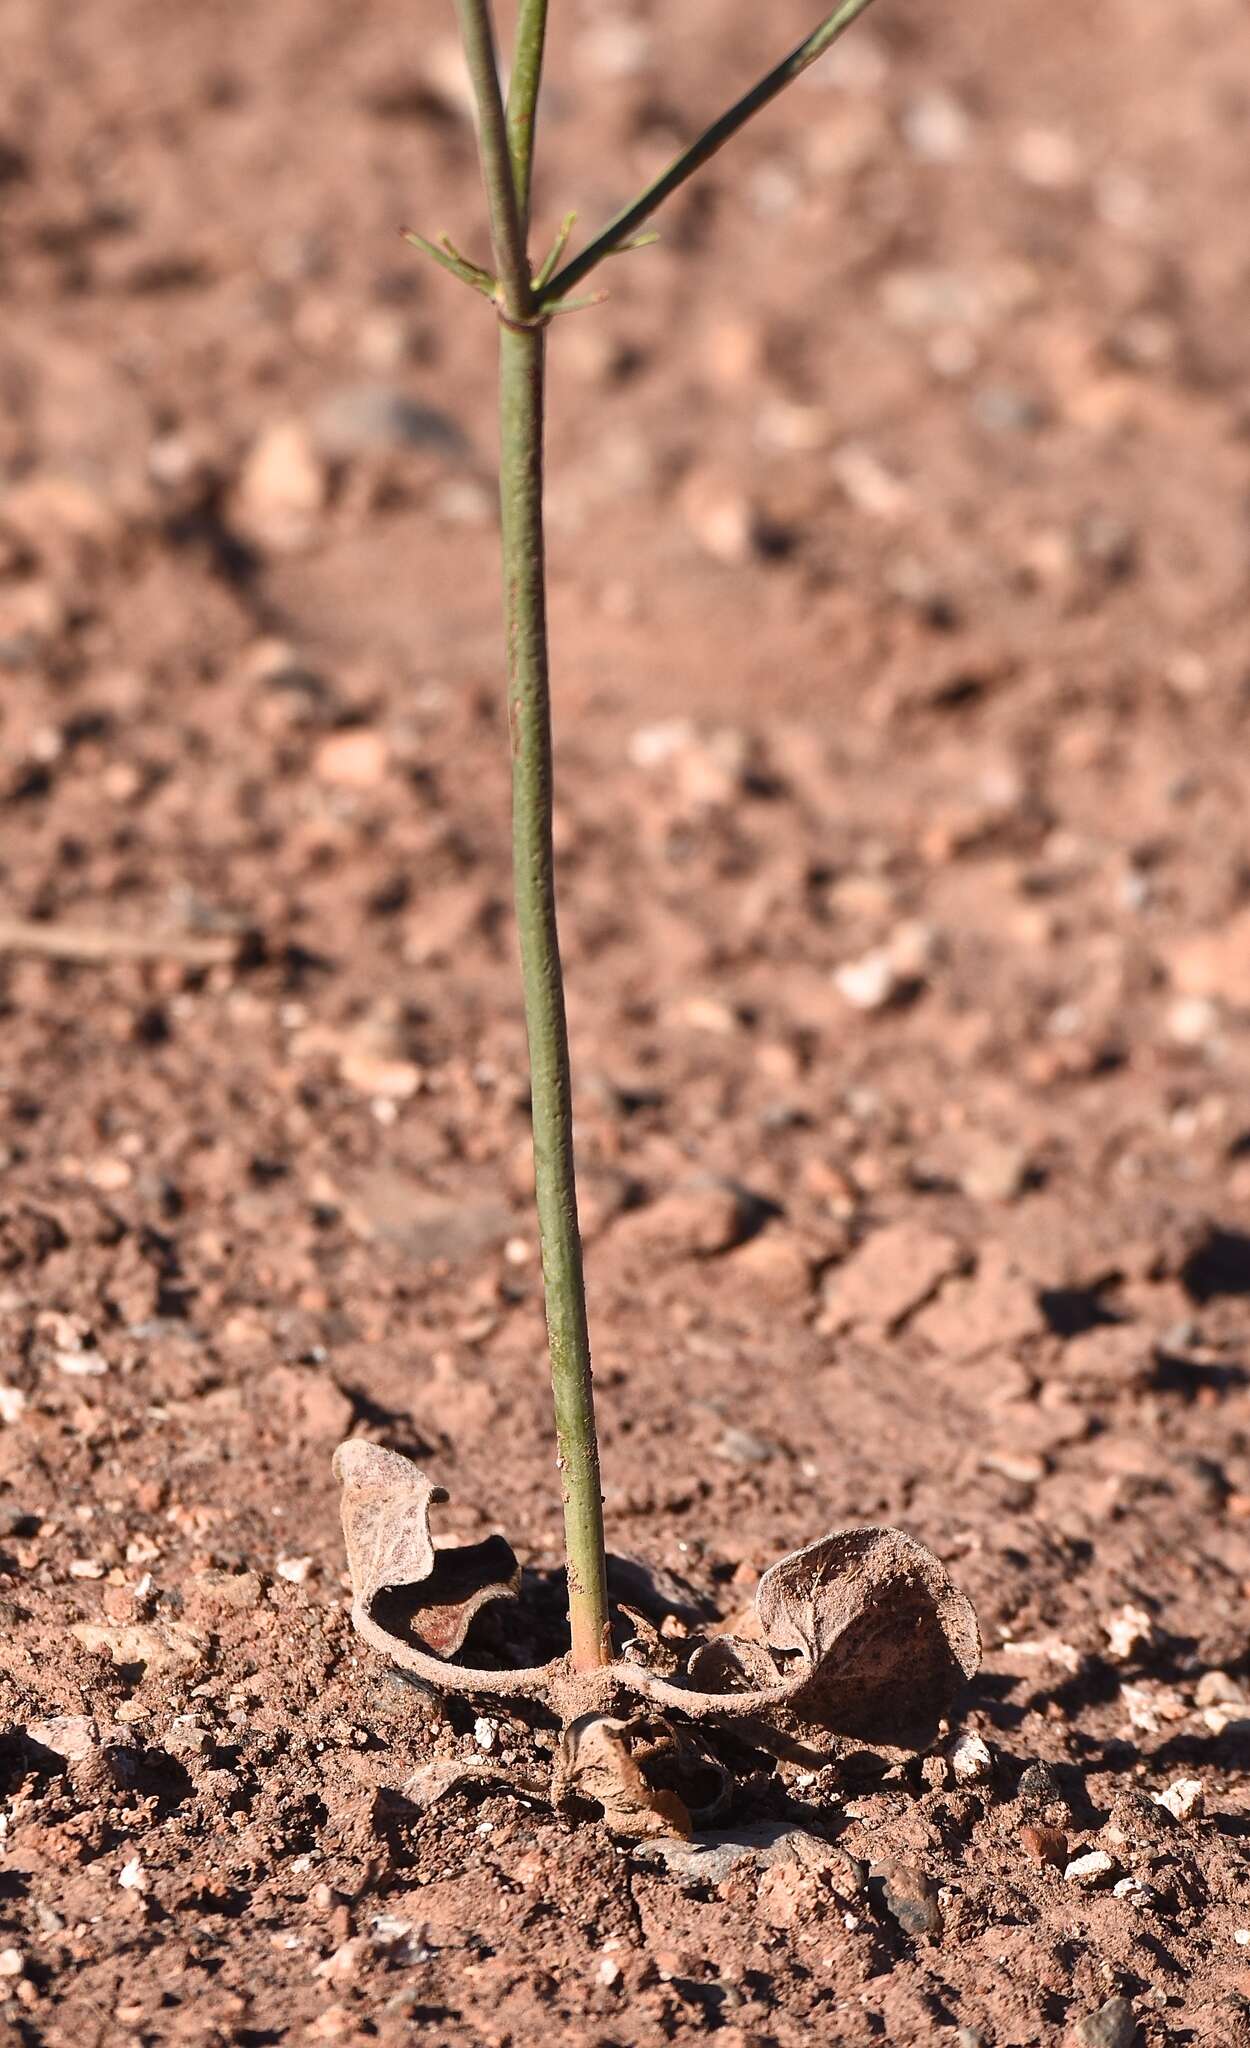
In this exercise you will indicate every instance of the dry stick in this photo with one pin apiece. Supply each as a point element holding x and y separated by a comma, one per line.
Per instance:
<point>96,944</point>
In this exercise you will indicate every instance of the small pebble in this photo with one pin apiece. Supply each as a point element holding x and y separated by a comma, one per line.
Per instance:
<point>1048,1846</point>
<point>355,758</point>
<point>937,129</point>
<point>484,1733</point>
<point>282,487</point>
<point>1112,2026</point>
<point>971,1759</point>
<point>995,1172</point>
<point>1217,1689</point>
<point>909,1897</point>
<point>361,419</point>
<point>1046,158</point>
<point>1193,1020</point>
<point>870,983</point>
<point>68,1736</point>
<point>1092,1869</point>
<point>1130,1633</point>
<point>1185,1799</point>
<point>83,1365</point>
<point>742,1447</point>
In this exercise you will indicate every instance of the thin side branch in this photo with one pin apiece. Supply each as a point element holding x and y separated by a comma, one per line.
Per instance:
<point>547,269</point>
<point>506,230</point>
<point>625,223</point>
<point>453,262</point>
<point>527,71</point>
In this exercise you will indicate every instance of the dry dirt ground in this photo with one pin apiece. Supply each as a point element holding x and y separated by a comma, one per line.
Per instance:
<point>900,550</point>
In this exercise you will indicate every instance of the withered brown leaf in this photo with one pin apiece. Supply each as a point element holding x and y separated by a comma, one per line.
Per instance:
<point>885,1638</point>
<point>649,1777</point>
<point>419,1593</point>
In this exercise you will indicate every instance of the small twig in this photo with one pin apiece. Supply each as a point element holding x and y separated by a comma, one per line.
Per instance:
<point>449,257</point>
<point>558,247</point>
<point>623,225</point>
<point>92,944</point>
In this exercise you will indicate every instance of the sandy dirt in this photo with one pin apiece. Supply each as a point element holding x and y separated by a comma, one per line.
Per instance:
<point>900,566</point>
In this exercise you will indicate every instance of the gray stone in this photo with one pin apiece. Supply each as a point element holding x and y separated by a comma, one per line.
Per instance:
<point>1112,2026</point>
<point>908,1896</point>
<point>365,419</point>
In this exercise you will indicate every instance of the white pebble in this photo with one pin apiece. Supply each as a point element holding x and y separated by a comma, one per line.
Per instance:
<point>651,745</point>
<point>83,1365</point>
<point>869,983</point>
<point>937,129</point>
<point>971,1760</point>
<point>12,1405</point>
<point>1192,1020</point>
<point>484,1733</point>
<point>1094,1868</point>
<point>132,1876</point>
<point>296,1569</point>
<point>1129,1632</point>
<point>1184,1799</point>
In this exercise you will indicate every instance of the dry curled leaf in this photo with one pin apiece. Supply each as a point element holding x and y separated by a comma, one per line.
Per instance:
<point>885,1637</point>
<point>866,1638</point>
<point>415,1592</point>
<point>649,1777</point>
<point>862,1637</point>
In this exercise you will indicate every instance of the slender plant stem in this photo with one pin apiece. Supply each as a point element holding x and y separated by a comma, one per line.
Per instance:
<point>527,71</point>
<point>624,224</point>
<point>522,340</point>
<point>506,230</point>
<point>529,715</point>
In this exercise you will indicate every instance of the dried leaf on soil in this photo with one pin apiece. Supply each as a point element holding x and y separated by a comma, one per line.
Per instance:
<point>429,1595</point>
<point>866,1638</point>
<point>887,1637</point>
<point>644,1774</point>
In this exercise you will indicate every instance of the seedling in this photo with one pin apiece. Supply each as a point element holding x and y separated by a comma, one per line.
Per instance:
<point>861,1636</point>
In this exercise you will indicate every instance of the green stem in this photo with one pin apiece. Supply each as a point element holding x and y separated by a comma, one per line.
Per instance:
<point>521,358</point>
<point>529,715</point>
<point>632,217</point>
<point>527,71</point>
<point>506,230</point>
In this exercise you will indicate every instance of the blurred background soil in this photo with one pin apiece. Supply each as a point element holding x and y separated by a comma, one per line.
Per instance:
<point>899,510</point>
